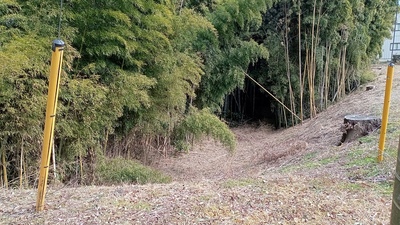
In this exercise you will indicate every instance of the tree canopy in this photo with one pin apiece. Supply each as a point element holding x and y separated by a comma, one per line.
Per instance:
<point>142,77</point>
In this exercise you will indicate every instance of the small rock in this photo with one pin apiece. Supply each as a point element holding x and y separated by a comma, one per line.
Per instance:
<point>369,87</point>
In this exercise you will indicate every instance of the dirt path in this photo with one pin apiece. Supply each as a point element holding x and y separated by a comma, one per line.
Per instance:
<point>261,148</point>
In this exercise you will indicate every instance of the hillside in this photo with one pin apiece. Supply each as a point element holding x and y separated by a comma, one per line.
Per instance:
<point>293,176</point>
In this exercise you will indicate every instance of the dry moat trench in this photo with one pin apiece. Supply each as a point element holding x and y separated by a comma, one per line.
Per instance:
<point>262,148</point>
<point>274,177</point>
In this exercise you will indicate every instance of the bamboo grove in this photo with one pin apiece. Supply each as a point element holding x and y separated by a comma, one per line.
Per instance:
<point>142,77</point>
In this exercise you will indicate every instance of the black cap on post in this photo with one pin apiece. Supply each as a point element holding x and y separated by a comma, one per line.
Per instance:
<point>57,43</point>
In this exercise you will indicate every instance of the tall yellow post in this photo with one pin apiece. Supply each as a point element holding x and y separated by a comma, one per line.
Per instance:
<point>54,83</point>
<point>385,113</point>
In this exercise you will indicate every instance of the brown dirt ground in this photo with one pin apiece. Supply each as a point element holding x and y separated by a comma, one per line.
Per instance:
<point>293,176</point>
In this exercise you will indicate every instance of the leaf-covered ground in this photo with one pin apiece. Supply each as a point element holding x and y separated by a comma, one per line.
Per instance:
<point>279,200</point>
<point>293,176</point>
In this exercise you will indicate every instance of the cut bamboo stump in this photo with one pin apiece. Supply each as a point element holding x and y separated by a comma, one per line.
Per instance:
<point>356,126</point>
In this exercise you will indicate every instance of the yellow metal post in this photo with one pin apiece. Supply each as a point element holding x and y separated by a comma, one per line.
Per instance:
<point>54,83</point>
<point>385,113</point>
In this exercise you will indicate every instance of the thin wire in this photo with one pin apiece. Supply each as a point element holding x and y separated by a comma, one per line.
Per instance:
<point>272,96</point>
<point>59,22</point>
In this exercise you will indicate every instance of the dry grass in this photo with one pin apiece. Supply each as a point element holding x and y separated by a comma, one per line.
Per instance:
<point>293,176</point>
<point>284,200</point>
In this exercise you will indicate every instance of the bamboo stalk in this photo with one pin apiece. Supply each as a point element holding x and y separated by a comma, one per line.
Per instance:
<point>80,165</point>
<point>327,77</point>
<point>338,73</point>
<point>4,163</point>
<point>288,74</point>
<point>300,74</point>
<point>1,178</point>
<point>315,50</point>
<point>309,79</point>
<point>21,171</point>
<point>306,66</point>
<point>25,173</point>
<point>312,66</point>
<point>54,161</point>
<point>105,143</point>
<point>285,117</point>
<point>343,80</point>
<point>254,100</point>
<point>181,6</point>
<point>395,212</point>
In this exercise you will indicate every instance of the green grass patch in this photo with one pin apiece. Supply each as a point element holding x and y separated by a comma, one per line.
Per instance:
<point>145,206</point>
<point>351,186</point>
<point>361,164</point>
<point>318,163</point>
<point>390,152</point>
<point>362,161</point>
<point>346,185</point>
<point>205,198</point>
<point>381,188</point>
<point>310,156</point>
<point>309,161</point>
<point>393,128</point>
<point>118,170</point>
<point>240,183</point>
<point>368,139</point>
<point>384,188</point>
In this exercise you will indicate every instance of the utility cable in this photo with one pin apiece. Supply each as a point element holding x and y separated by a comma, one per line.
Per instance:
<point>59,22</point>
<point>272,96</point>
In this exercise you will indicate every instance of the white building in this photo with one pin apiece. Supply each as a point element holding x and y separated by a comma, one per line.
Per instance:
<point>392,45</point>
